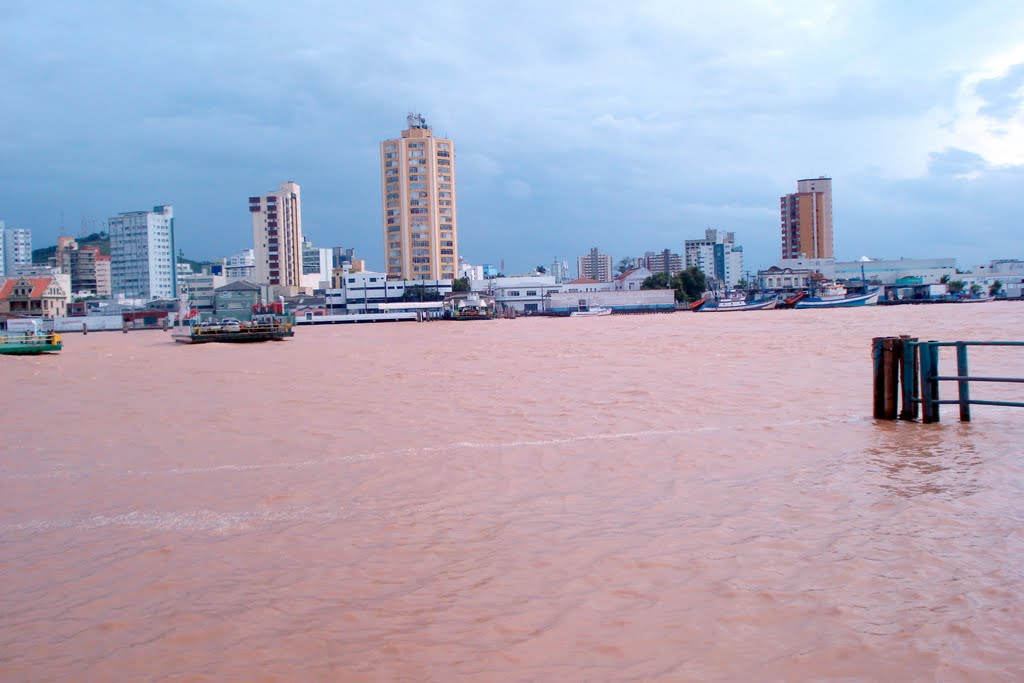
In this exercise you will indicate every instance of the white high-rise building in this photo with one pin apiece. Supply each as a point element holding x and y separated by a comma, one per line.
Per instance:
<point>277,236</point>
<point>717,256</point>
<point>142,254</point>
<point>241,266</point>
<point>17,249</point>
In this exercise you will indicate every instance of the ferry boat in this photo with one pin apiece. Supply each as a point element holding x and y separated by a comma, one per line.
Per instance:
<point>27,338</point>
<point>29,343</point>
<point>474,307</point>
<point>834,295</point>
<point>231,331</point>
<point>736,301</point>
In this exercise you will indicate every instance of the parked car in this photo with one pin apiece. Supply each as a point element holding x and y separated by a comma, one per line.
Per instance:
<point>231,325</point>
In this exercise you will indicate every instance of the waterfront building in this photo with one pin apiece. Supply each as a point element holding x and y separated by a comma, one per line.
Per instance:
<point>316,266</point>
<point>717,256</point>
<point>776,279</point>
<point>632,279</point>
<point>420,217</point>
<point>807,220</point>
<point>364,291</point>
<point>595,265</point>
<point>17,249</point>
<point>42,297</point>
<point>237,299</point>
<point>198,290</point>
<point>524,293</point>
<point>241,266</point>
<point>878,271</point>
<point>142,262</point>
<point>277,237</point>
<point>663,261</point>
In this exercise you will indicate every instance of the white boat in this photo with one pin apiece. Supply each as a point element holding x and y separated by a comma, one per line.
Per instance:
<point>588,311</point>
<point>834,295</point>
<point>736,301</point>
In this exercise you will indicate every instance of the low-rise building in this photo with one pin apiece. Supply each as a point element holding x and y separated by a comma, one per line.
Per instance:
<point>237,299</point>
<point>632,279</point>
<point>776,279</point>
<point>40,297</point>
<point>620,301</point>
<point>365,291</point>
<point>198,290</point>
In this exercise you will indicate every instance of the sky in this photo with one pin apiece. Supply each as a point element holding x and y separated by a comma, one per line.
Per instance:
<point>630,126</point>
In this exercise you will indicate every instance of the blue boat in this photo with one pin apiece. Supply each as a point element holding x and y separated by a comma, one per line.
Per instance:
<point>835,296</point>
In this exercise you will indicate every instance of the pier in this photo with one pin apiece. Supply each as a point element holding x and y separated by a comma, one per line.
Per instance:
<point>907,371</point>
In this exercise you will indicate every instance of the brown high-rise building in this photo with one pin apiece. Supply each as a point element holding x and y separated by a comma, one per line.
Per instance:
<point>417,177</point>
<point>807,220</point>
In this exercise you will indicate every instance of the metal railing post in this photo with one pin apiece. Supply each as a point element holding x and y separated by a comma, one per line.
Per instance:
<point>963,384</point>
<point>927,409</point>
<point>908,371</point>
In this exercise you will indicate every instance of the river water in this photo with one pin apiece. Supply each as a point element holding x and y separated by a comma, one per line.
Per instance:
<point>637,498</point>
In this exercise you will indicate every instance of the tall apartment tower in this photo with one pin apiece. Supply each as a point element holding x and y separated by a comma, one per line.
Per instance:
<point>807,220</point>
<point>142,254</point>
<point>717,256</point>
<point>17,249</point>
<point>595,265</point>
<point>277,236</point>
<point>417,177</point>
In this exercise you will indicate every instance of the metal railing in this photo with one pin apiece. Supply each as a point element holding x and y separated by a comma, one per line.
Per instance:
<point>909,368</point>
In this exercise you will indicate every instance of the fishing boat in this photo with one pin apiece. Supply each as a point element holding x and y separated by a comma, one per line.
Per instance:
<point>586,311</point>
<point>232,331</point>
<point>29,343</point>
<point>977,300</point>
<point>834,295</point>
<point>737,301</point>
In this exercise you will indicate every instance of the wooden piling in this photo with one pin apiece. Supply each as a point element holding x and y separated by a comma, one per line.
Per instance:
<point>885,355</point>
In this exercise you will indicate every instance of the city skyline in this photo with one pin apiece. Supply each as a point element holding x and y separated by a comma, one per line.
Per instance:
<point>626,127</point>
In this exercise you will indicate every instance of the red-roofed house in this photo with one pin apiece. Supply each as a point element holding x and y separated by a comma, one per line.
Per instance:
<point>631,279</point>
<point>35,296</point>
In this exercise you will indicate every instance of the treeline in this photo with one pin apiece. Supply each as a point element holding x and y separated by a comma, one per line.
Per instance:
<point>689,284</point>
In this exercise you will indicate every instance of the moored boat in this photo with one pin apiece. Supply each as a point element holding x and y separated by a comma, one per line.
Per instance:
<point>474,307</point>
<point>977,300</point>
<point>835,296</point>
<point>737,302</point>
<point>29,343</point>
<point>590,311</point>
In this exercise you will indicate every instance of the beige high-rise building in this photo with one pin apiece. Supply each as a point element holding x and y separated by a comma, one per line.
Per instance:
<point>807,220</point>
<point>277,236</point>
<point>417,177</point>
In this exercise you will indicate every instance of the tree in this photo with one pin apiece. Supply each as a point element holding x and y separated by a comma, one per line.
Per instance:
<point>657,281</point>
<point>691,284</point>
<point>975,289</point>
<point>541,269</point>
<point>995,288</point>
<point>461,284</point>
<point>742,284</point>
<point>625,263</point>
<point>421,293</point>
<point>944,280</point>
<point>956,286</point>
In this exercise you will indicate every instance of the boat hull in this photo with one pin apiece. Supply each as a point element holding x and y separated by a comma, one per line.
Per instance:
<point>869,299</point>
<point>766,305</point>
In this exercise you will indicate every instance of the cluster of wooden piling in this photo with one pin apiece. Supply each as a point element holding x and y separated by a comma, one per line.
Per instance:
<point>895,364</point>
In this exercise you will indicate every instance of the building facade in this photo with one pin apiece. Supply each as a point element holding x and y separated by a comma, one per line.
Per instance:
<point>17,250</point>
<point>81,263</point>
<point>198,290</point>
<point>663,261</point>
<point>241,266</point>
<point>595,265</point>
<point>717,256</point>
<point>277,236</point>
<point>103,284</point>
<point>142,263</point>
<point>42,297</point>
<point>806,218</point>
<point>364,291</point>
<point>420,213</point>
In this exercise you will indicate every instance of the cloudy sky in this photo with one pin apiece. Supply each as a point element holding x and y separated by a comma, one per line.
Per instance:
<point>631,126</point>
